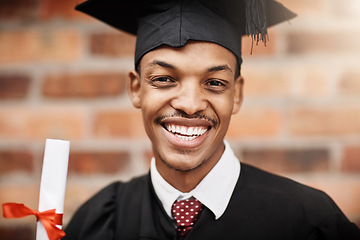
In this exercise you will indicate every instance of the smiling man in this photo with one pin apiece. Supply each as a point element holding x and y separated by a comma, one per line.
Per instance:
<point>187,84</point>
<point>187,96</point>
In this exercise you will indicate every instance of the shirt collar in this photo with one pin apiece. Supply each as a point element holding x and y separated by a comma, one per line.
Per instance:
<point>211,192</point>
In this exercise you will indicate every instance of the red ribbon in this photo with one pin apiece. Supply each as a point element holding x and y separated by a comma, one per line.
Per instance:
<point>49,218</point>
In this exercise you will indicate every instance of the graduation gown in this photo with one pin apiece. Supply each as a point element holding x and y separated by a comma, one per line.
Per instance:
<point>263,206</point>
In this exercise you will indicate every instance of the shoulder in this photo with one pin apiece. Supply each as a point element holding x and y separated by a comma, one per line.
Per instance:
<point>282,194</point>
<point>109,194</point>
<point>269,183</point>
<point>95,218</point>
<point>296,203</point>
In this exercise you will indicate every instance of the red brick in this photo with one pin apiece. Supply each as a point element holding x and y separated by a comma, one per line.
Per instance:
<point>41,122</point>
<point>350,10</point>
<point>84,85</point>
<point>255,122</point>
<point>329,42</point>
<point>307,7</point>
<point>296,82</point>
<point>98,162</point>
<point>33,45</point>
<point>18,9</point>
<point>61,9</point>
<point>119,124</point>
<point>326,121</point>
<point>351,160</point>
<point>112,44</point>
<point>349,83</point>
<point>18,232</point>
<point>21,190</point>
<point>13,161</point>
<point>268,82</point>
<point>288,160</point>
<point>14,86</point>
<point>315,83</point>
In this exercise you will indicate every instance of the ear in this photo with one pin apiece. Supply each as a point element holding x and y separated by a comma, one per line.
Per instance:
<point>238,94</point>
<point>134,88</point>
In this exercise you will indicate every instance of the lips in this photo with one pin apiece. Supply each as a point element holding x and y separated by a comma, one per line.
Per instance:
<point>187,133</point>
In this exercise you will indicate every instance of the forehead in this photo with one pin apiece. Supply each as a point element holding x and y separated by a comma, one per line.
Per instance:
<point>194,53</point>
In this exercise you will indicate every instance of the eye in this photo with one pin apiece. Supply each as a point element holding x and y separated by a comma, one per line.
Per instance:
<point>215,83</point>
<point>162,82</point>
<point>217,86</point>
<point>162,79</point>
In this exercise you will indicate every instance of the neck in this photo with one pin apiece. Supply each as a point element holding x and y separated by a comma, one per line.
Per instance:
<point>185,181</point>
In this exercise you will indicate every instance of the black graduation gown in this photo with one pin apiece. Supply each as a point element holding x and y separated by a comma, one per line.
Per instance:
<point>263,206</point>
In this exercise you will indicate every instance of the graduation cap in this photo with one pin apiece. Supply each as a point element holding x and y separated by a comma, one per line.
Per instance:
<point>175,22</point>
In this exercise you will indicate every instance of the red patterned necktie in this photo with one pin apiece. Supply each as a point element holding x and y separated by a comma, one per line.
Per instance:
<point>186,213</point>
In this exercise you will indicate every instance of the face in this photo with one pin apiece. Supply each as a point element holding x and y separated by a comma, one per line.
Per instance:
<point>187,96</point>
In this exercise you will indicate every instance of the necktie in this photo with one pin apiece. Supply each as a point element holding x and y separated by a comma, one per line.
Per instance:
<point>186,213</point>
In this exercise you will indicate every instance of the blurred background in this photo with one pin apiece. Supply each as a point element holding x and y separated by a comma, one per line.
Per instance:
<point>62,75</point>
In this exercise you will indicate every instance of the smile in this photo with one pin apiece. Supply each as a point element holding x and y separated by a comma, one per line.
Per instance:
<point>186,133</point>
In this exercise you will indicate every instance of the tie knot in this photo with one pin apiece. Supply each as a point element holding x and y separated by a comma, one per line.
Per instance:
<point>186,213</point>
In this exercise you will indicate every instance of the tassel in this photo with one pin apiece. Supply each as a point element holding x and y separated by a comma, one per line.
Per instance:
<point>256,24</point>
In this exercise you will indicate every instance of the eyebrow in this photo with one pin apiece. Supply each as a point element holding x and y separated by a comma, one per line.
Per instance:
<point>162,64</point>
<point>219,68</point>
<point>216,68</point>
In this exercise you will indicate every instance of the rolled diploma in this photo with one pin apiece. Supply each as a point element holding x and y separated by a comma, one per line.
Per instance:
<point>53,180</point>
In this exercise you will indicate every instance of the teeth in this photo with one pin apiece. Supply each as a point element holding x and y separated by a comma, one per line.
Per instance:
<point>186,133</point>
<point>184,138</point>
<point>183,131</point>
<point>171,128</point>
<point>190,131</point>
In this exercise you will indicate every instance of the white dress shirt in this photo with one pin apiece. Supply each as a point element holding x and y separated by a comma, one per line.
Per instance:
<point>214,191</point>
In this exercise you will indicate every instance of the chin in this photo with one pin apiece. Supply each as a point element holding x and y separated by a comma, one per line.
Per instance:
<point>181,163</point>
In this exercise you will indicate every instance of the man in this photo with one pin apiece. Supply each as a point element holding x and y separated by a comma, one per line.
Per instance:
<point>187,84</point>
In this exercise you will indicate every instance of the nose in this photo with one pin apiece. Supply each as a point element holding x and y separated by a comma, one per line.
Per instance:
<point>190,98</point>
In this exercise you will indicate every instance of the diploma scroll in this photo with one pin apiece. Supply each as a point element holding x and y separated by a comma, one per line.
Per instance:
<point>53,180</point>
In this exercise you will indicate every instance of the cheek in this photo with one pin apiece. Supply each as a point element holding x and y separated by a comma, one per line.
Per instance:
<point>154,101</point>
<point>148,121</point>
<point>223,107</point>
<point>149,100</point>
<point>152,105</point>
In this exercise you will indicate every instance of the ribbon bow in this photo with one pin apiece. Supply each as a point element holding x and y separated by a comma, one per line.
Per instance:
<point>49,218</point>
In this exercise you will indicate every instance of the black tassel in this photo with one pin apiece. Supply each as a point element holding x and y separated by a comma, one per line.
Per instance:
<point>256,24</point>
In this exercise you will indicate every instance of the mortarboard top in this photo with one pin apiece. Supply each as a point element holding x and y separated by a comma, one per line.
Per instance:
<point>175,22</point>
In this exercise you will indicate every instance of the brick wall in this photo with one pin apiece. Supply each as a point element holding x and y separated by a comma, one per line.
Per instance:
<point>62,75</point>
